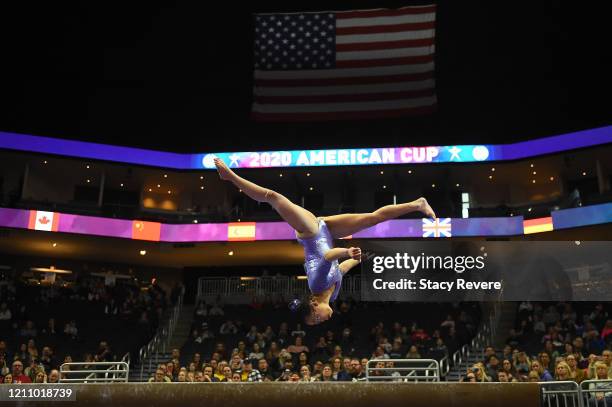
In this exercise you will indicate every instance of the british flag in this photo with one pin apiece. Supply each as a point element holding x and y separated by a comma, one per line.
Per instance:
<point>437,228</point>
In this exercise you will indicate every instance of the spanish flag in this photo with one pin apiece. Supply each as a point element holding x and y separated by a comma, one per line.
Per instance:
<point>538,225</point>
<point>43,220</point>
<point>142,230</point>
<point>241,231</point>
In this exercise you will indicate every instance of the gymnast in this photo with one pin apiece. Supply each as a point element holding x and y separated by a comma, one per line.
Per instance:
<point>316,234</point>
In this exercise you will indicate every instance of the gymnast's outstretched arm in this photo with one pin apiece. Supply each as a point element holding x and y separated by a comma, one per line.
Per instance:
<point>340,252</point>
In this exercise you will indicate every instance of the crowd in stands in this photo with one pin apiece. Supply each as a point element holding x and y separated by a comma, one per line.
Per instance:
<point>265,342</point>
<point>42,327</point>
<point>553,342</point>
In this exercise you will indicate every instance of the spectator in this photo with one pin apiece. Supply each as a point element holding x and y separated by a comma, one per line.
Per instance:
<point>327,374</point>
<point>336,367</point>
<point>264,370</point>
<point>40,377</point>
<point>208,374</point>
<point>413,353</point>
<point>160,377</point>
<point>379,353</point>
<point>249,374</point>
<point>269,334</point>
<point>256,353</point>
<point>29,330</point>
<point>5,313</point>
<point>198,377</point>
<point>305,375</point>
<point>17,373</point>
<point>479,370</point>
<point>492,367</point>
<point>182,376</point>
<point>220,369</point>
<point>545,375</point>
<point>228,328</point>
<point>533,376</point>
<point>344,375</point>
<point>201,310</point>
<point>502,377</point>
<point>303,359</point>
<point>227,374</point>
<point>71,330</point>
<point>601,397</point>
<point>575,374</point>
<point>54,376</point>
<point>522,363</point>
<point>562,372</point>
<point>236,377</point>
<point>357,370</point>
<point>251,336</point>
<point>216,311</point>
<point>47,360</point>
<point>509,369</point>
<point>298,346</point>
<point>8,379</point>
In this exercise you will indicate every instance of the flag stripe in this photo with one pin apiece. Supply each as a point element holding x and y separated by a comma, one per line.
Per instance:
<point>366,46</point>
<point>384,54</point>
<point>385,62</point>
<point>300,117</point>
<point>345,81</point>
<point>345,98</point>
<point>344,73</point>
<point>345,107</point>
<point>343,90</point>
<point>391,28</point>
<point>359,14</point>
<point>400,36</point>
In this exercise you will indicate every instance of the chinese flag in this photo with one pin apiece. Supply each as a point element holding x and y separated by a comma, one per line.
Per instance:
<point>142,230</point>
<point>42,220</point>
<point>241,231</point>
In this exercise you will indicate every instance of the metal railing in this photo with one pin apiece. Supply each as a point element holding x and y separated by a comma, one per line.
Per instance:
<point>94,372</point>
<point>161,339</point>
<point>560,394</point>
<point>596,393</point>
<point>403,370</point>
<point>240,290</point>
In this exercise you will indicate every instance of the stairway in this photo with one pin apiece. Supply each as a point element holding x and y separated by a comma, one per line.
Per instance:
<point>506,323</point>
<point>179,337</point>
<point>456,372</point>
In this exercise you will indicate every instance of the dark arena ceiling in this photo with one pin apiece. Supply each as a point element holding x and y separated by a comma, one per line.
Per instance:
<point>178,76</point>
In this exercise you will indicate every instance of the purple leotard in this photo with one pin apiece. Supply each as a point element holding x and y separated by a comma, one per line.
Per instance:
<point>321,273</point>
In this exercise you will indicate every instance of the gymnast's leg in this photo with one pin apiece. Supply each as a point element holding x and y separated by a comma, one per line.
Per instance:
<point>350,223</point>
<point>300,219</point>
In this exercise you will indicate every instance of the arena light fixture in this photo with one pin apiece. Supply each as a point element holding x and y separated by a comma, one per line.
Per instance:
<point>230,253</point>
<point>584,173</point>
<point>50,269</point>
<point>143,252</point>
<point>201,177</point>
<point>201,186</point>
<point>165,175</point>
<point>54,244</point>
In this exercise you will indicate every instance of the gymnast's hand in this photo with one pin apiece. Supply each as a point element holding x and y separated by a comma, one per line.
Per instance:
<point>354,253</point>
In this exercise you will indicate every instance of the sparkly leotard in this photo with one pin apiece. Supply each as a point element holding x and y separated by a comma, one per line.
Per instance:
<point>321,273</point>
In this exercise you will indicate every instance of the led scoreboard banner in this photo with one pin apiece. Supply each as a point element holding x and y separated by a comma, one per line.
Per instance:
<point>310,158</point>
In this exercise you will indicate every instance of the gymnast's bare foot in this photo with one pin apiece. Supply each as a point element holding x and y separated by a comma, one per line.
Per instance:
<point>426,209</point>
<point>224,172</point>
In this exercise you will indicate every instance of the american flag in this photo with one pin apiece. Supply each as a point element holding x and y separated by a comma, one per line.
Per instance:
<point>344,65</point>
<point>437,228</point>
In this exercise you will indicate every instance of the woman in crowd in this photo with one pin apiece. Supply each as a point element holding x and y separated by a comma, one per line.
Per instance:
<point>545,375</point>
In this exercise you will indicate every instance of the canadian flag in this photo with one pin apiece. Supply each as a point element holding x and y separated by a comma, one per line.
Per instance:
<point>42,220</point>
